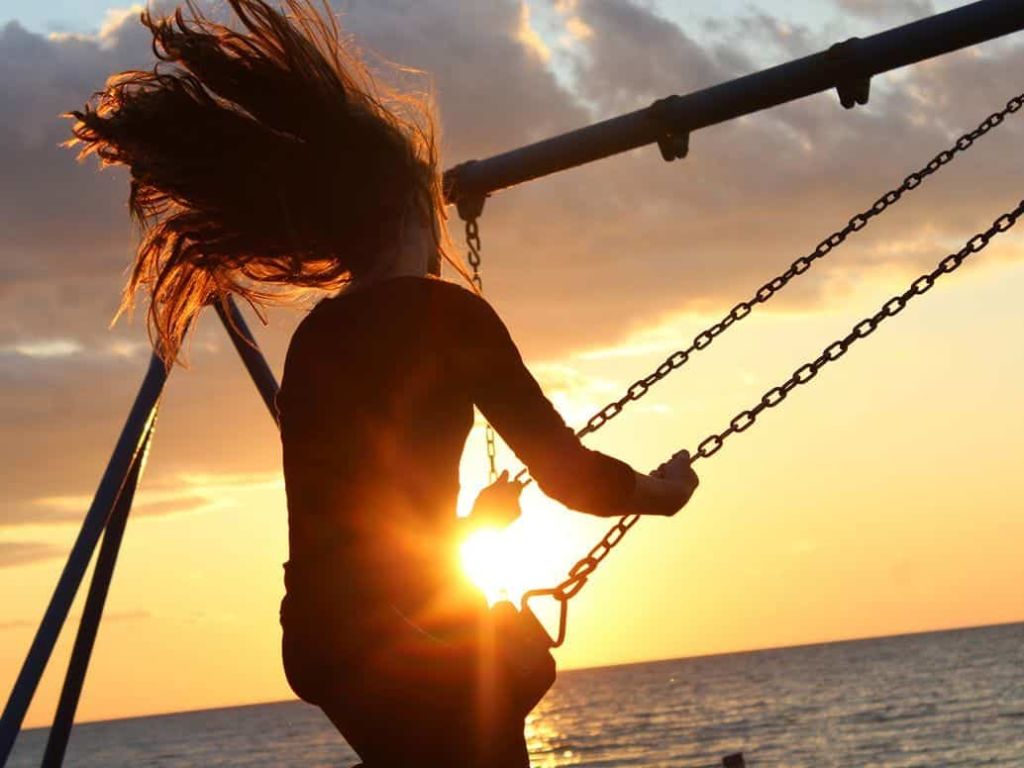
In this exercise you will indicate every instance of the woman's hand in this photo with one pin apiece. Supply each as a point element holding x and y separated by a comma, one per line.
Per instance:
<point>678,469</point>
<point>498,504</point>
<point>667,489</point>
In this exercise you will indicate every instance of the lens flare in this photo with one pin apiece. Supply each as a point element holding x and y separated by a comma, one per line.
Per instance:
<point>532,552</point>
<point>486,561</point>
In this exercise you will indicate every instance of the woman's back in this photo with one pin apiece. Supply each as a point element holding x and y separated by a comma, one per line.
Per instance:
<point>376,404</point>
<point>375,409</point>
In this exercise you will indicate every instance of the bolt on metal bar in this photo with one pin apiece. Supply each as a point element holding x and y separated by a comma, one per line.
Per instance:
<point>846,67</point>
<point>113,481</point>
<point>74,679</point>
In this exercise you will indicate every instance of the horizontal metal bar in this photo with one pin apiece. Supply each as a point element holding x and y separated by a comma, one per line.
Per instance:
<point>838,67</point>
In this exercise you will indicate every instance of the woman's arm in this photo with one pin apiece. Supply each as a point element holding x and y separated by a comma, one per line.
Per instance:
<point>583,479</point>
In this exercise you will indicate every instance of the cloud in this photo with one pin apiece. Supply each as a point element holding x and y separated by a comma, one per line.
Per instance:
<point>528,36</point>
<point>169,495</point>
<point>575,394</point>
<point>44,348</point>
<point>66,241</point>
<point>49,510</point>
<point>634,56</point>
<point>584,260</point>
<point>647,238</point>
<point>108,616</point>
<point>887,9</point>
<point>14,553</point>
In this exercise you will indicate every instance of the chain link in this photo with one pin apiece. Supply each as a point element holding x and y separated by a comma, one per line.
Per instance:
<point>837,349</point>
<point>708,447</point>
<point>474,247</point>
<point>806,373</point>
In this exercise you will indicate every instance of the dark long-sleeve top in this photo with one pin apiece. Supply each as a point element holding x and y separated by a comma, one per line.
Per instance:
<point>376,405</point>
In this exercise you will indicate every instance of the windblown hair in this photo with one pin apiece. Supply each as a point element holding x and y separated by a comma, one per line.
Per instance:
<point>262,159</point>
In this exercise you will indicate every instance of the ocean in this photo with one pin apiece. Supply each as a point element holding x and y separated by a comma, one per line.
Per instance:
<point>939,699</point>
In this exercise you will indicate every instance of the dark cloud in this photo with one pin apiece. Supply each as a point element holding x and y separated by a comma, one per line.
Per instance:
<point>576,260</point>
<point>493,92</point>
<point>634,56</point>
<point>645,237</point>
<point>64,235</point>
<point>66,241</point>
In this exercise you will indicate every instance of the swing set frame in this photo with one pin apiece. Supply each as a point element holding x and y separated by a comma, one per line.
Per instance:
<point>846,67</point>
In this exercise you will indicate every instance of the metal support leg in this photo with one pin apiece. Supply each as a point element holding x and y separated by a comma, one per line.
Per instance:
<point>249,351</point>
<point>57,741</point>
<point>114,479</point>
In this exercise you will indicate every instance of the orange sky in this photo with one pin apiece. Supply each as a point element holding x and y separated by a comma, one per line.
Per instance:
<point>881,499</point>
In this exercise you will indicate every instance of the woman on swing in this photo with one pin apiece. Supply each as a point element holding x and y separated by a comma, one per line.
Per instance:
<point>265,158</point>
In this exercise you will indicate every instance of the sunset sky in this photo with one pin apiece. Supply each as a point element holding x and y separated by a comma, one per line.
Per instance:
<point>882,499</point>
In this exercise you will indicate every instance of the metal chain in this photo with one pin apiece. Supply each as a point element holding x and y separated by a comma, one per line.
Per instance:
<point>474,246</point>
<point>837,349</point>
<point>579,573</point>
<point>708,447</point>
<point>704,339</point>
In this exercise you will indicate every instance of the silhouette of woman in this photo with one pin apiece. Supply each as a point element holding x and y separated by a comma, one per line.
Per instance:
<point>263,159</point>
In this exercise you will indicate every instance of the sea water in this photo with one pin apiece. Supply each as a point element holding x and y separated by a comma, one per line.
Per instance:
<point>938,699</point>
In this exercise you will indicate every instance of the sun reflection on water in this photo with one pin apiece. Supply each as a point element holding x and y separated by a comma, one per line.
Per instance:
<point>545,741</point>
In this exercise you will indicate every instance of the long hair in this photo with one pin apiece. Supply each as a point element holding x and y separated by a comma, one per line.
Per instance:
<point>262,159</point>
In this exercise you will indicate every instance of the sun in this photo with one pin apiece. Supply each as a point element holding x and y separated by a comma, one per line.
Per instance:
<point>486,560</point>
<point>504,564</point>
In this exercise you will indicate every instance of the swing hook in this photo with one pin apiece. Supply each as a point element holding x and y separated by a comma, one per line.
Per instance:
<point>674,144</point>
<point>852,89</point>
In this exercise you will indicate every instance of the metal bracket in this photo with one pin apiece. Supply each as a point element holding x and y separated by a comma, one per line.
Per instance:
<point>563,611</point>
<point>854,92</point>
<point>674,144</point>
<point>852,89</point>
<point>470,205</point>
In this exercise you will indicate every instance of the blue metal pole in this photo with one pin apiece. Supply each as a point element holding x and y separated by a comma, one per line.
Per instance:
<point>60,732</point>
<point>249,351</point>
<point>114,478</point>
